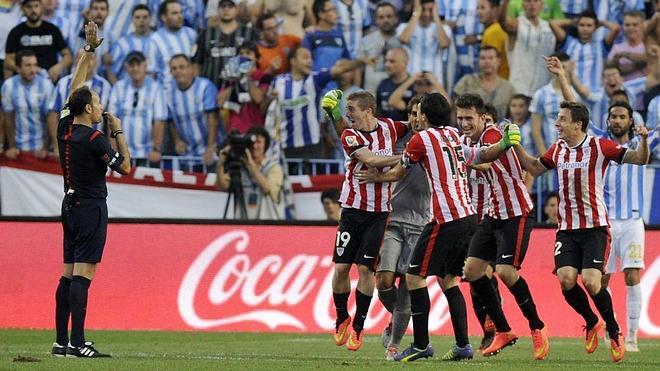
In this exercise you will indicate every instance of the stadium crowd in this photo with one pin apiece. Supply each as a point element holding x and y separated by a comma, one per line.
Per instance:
<point>184,74</point>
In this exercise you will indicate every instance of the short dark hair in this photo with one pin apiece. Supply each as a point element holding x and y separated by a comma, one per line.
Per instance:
<point>467,101</point>
<point>620,104</point>
<point>427,1</point>
<point>24,54</point>
<point>620,92</point>
<point>79,99</point>
<point>489,47</point>
<point>262,18</point>
<point>385,4</point>
<point>140,7</point>
<point>579,113</point>
<point>634,13</point>
<point>416,99</point>
<point>436,108</point>
<point>180,55</point>
<point>489,109</point>
<point>26,2</point>
<point>612,66</point>
<point>332,194</point>
<point>294,52</point>
<point>364,100</point>
<point>562,56</point>
<point>494,3</point>
<point>99,1</point>
<point>549,196</point>
<point>257,130</point>
<point>527,99</point>
<point>251,46</point>
<point>588,14</point>
<point>318,7</point>
<point>162,8</point>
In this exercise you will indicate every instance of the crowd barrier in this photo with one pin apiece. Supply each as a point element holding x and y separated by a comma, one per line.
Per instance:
<point>31,187</point>
<point>251,278</point>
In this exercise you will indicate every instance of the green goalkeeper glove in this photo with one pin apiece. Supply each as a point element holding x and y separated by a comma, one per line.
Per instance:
<point>330,104</point>
<point>510,136</point>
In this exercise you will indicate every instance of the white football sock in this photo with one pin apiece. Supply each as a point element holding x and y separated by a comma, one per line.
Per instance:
<point>634,308</point>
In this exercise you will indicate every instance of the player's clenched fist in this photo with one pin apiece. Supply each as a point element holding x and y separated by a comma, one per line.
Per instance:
<point>330,103</point>
<point>510,136</point>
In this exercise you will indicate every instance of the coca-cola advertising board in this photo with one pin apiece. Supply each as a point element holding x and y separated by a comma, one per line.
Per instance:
<point>250,278</point>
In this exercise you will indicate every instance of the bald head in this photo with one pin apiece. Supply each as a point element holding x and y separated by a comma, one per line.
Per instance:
<point>396,63</point>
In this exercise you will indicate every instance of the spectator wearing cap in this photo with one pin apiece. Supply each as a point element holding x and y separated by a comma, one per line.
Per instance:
<point>42,37</point>
<point>138,40</point>
<point>58,98</point>
<point>494,35</point>
<point>630,53</point>
<point>241,98</point>
<point>24,99</point>
<point>377,43</point>
<point>529,38</point>
<point>461,16</point>
<point>171,39</point>
<point>274,47</point>
<point>139,102</point>
<point>589,49</point>
<point>217,44</point>
<point>424,38</point>
<point>487,83</point>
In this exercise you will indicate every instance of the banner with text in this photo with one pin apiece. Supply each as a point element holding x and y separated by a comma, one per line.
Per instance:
<point>251,278</point>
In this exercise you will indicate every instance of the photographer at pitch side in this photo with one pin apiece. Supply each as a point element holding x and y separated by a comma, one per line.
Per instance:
<point>261,177</point>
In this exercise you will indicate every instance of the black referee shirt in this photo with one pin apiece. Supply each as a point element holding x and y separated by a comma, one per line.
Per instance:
<point>85,155</point>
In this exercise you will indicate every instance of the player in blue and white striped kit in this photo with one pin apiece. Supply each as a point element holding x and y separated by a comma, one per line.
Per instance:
<point>171,39</point>
<point>624,197</point>
<point>139,102</point>
<point>24,98</point>
<point>58,97</point>
<point>192,105</point>
<point>138,40</point>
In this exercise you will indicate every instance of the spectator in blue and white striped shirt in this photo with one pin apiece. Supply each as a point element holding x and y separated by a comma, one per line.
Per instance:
<point>588,50</point>
<point>58,98</point>
<point>193,13</point>
<point>120,21</point>
<point>192,105</point>
<point>572,8</point>
<point>653,113</point>
<point>139,102</point>
<point>624,196</point>
<point>424,38</point>
<point>171,39</point>
<point>51,15</point>
<point>462,17</point>
<point>24,98</point>
<point>138,40</point>
<point>73,11</point>
<point>353,18</point>
<point>298,93</point>
<point>97,13</point>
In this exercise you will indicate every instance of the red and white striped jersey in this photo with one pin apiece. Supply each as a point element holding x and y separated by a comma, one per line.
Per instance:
<point>374,197</point>
<point>581,172</point>
<point>479,193</point>
<point>508,194</point>
<point>442,155</point>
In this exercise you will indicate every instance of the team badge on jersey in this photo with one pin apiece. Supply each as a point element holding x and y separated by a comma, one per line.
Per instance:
<point>340,251</point>
<point>351,141</point>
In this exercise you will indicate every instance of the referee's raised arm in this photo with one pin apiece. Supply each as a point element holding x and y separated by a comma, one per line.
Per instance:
<point>80,71</point>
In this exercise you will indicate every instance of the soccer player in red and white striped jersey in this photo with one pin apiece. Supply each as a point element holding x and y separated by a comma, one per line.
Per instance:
<point>503,235</point>
<point>369,142</point>
<point>441,248</point>
<point>583,238</point>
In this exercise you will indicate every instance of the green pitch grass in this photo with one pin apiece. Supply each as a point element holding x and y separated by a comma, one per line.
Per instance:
<point>140,350</point>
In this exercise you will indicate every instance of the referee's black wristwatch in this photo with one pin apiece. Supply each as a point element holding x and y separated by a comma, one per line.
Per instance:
<point>88,48</point>
<point>115,133</point>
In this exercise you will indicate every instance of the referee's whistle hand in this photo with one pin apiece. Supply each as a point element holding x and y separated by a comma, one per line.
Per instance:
<point>113,121</point>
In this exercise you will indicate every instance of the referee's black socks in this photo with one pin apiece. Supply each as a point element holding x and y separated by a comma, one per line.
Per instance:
<point>458,314</point>
<point>484,288</point>
<point>62,311</point>
<point>78,303</point>
<point>603,302</point>
<point>420,305</point>
<point>577,298</point>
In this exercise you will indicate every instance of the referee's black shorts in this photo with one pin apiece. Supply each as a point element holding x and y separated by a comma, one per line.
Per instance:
<point>85,227</point>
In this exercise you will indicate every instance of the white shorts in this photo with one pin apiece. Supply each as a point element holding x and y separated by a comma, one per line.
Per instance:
<point>398,245</point>
<point>627,245</point>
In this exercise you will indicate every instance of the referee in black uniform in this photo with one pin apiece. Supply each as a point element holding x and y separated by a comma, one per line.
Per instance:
<point>85,155</point>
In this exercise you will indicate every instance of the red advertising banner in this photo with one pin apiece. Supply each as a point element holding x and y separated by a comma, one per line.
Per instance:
<point>250,278</point>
